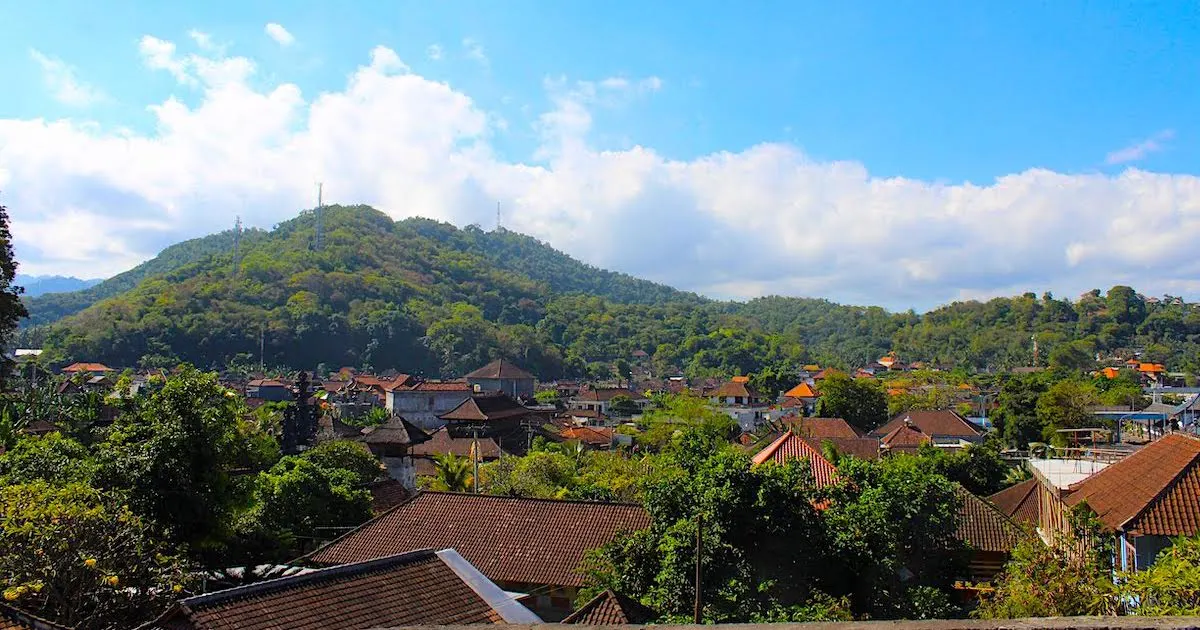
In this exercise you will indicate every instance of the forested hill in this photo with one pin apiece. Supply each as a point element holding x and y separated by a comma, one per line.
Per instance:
<point>426,297</point>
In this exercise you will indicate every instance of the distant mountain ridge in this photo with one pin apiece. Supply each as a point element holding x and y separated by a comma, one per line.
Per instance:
<point>426,297</point>
<point>40,285</point>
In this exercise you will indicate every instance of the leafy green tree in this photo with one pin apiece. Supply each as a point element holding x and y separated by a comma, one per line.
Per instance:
<point>298,497</point>
<point>454,473</point>
<point>978,467</point>
<point>1067,405</point>
<point>622,406</point>
<point>352,457</point>
<point>1072,357</point>
<point>53,459</point>
<point>77,556</point>
<point>1124,305</point>
<point>548,397</point>
<point>675,414</point>
<point>173,455</point>
<point>889,519</point>
<point>1017,418</point>
<point>860,402</point>
<point>11,308</point>
<point>1049,581</point>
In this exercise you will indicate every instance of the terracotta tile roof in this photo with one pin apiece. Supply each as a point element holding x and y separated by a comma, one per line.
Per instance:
<point>86,367</point>
<point>822,427</point>
<point>1155,491</point>
<point>932,423</point>
<point>790,446</point>
<point>862,448</point>
<point>386,494</point>
<point>441,442</point>
<point>735,388</point>
<point>500,369</point>
<point>266,382</point>
<point>611,609</point>
<point>606,394</point>
<point>440,386</point>
<point>984,527</point>
<point>904,437</point>
<point>417,588</point>
<point>1019,502</point>
<point>592,436</point>
<point>803,390</point>
<point>1110,372</point>
<point>15,619</point>
<point>486,408</point>
<point>510,539</point>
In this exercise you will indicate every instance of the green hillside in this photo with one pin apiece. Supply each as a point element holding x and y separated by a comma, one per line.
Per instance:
<point>427,297</point>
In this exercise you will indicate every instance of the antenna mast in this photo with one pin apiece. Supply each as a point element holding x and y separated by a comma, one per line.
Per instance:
<point>320,212</point>
<point>237,240</point>
<point>498,216</point>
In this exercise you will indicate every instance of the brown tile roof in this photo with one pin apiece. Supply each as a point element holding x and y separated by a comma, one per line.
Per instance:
<point>397,430</point>
<point>942,422</point>
<point>983,526</point>
<point>441,442</point>
<point>735,388</point>
<point>16,619</point>
<point>417,588</point>
<point>500,369</point>
<point>1155,491</point>
<point>1019,502</point>
<point>822,427</point>
<point>510,539</point>
<point>486,408</point>
<point>611,609</point>
<point>904,437</point>
<point>592,436</point>
<point>790,446</point>
<point>803,390</point>
<point>441,386</point>
<point>266,382</point>
<point>86,367</point>
<point>387,494</point>
<point>862,448</point>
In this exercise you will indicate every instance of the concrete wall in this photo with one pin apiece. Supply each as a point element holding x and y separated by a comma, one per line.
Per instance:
<point>423,408</point>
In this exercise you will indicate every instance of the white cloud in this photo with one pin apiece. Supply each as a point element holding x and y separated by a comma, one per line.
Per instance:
<point>434,52</point>
<point>473,50</point>
<point>281,35</point>
<point>204,41</point>
<point>64,86</point>
<point>767,219</point>
<point>1139,150</point>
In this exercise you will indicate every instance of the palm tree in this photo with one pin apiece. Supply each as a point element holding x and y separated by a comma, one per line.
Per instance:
<point>453,473</point>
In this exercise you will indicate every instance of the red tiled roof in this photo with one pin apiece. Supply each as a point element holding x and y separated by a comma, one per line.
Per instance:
<point>441,386</point>
<point>442,442</point>
<point>611,609</point>
<point>1155,491</point>
<point>605,394</point>
<point>790,446</point>
<point>16,619</point>
<point>266,382</point>
<point>862,448</point>
<point>984,527</point>
<point>593,436</point>
<point>486,408</point>
<point>904,437</point>
<point>386,494</point>
<point>1019,502</point>
<point>500,369</point>
<point>510,539</point>
<point>822,427</point>
<point>416,588</point>
<point>87,367</point>
<point>803,390</point>
<point>942,422</point>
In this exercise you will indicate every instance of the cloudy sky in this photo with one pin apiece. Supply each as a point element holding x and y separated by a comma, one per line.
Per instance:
<point>857,151</point>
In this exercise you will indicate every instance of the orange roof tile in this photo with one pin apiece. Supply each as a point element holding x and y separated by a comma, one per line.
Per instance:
<point>933,423</point>
<point>803,390</point>
<point>1110,372</point>
<point>821,427</point>
<point>1155,491</point>
<point>1019,502</point>
<point>790,446</point>
<point>611,609</point>
<point>984,527</point>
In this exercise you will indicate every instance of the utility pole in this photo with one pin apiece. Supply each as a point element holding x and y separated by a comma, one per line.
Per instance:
<point>497,216</point>
<point>320,212</point>
<point>262,362</point>
<point>1035,350</point>
<point>475,458</point>
<point>699,553</point>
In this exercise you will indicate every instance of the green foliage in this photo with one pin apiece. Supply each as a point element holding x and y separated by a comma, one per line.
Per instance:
<point>548,397</point>
<point>53,459</point>
<point>860,402</point>
<point>1017,416</point>
<point>622,406</point>
<point>299,496</point>
<point>978,467</point>
<point>11,308</point>
<point>677,414</point>
<point>1171,586</point>
<point>372,417</point>
<point>173,454</point>
<point>454,473</point>
<point>350,456</point>
<point>1067,405</point>
<point>77,556</point>
<point>1049,581</point>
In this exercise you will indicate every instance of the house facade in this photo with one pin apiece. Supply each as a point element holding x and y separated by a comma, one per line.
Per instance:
<point>502,376</point>
<point>422,403</point>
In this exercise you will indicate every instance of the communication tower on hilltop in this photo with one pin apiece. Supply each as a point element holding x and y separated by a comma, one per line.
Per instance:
<point>498,226</point>
<point>237,242</point>
<point>320,212</point>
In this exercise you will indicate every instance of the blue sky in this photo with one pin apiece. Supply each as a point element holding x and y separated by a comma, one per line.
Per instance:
<point>1010,97</point>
